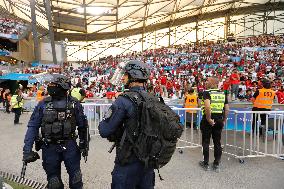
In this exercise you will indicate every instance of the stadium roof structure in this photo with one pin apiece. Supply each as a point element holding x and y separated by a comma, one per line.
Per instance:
<point>96,20</point>
<point>80,20</point>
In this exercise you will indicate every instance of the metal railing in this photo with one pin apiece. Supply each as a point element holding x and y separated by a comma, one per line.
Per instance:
<point>191,118</point>
<point>255,134</point>
<point>239,139</point>
<point>95,113</point>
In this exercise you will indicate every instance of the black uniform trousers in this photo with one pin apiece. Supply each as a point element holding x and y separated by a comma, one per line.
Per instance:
<point>255,119</point>
<point>214,131</point>
<point>18,112</point>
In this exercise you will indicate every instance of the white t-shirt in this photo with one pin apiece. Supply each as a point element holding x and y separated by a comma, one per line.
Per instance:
<point>243,87</point>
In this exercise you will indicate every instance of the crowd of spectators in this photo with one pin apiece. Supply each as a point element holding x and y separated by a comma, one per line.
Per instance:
<point>239,65</point>
<point>11,26</point>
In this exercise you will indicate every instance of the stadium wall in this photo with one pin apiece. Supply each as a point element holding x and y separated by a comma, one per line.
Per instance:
<point>25,50</point>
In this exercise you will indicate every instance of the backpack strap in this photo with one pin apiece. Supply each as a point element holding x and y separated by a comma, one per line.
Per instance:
<point>134,96</point>
<point>137,100</point>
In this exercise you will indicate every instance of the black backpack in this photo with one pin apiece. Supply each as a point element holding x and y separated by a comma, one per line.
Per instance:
<point>158,130</point>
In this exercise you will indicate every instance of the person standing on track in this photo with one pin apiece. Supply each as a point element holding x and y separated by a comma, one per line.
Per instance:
<point>215,113</point>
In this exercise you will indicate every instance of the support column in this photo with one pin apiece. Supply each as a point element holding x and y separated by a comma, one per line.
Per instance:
<point>203,34</point>
<point>253,28</point>
<point>169,36</point>
<point>51,33</point>
<point>142,41</point>
<point>34,30</point>
<point>86,29</point>
<point>227,30</point>
<point>264,29</point>
<point>236,28</point>
<point>196,32</point>
<point>155,39</point>
<point>244,27</point>
<point>175,36</point>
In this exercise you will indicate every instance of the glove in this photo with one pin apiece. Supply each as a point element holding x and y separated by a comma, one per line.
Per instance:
<point>38,144</point>
<point>83,148</point>
<point>112,138</point>
<point>29,157</point>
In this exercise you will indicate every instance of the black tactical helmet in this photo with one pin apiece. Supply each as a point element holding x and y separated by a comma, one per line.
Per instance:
<point>61,80</point>
<point>266,83</point>
<point>137,70</point>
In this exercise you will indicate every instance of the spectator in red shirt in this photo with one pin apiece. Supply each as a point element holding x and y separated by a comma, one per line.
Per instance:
<point>163,81</point>
<point>248,83</point>
<point>280,95</point>
<point>226,86</point>
<point>235,81</point>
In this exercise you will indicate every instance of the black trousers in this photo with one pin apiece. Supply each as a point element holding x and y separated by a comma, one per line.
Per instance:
<point>18,112</point>
<point>255,119</point>
<point>214,131</point>
<point>7,105</point>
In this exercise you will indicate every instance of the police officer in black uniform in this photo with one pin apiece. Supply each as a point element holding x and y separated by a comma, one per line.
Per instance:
<point>58,116</point>
<point>129,171</point>
<point>215,113</point>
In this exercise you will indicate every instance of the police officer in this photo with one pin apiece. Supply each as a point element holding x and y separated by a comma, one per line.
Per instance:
<point>262,101</point>
<point>58,115</point>
<point>78,92</point>
<point>215,112</point>
<point>191,101</point>
<point>17,103</point>
<point>129,172</point>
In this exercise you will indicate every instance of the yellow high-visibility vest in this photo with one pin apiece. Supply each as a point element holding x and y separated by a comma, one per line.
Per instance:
<point>15,103</point>
<point>76,93</point>
<point>217,101</point>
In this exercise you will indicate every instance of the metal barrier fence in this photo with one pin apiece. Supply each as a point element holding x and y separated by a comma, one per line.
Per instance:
<point>239,139</point>
<point>255,134</point>
<point>191,137</point>
<point>29,104</point>
<point>95,113</point>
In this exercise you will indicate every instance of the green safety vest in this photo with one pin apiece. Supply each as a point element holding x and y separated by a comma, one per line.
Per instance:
<point>217,102</point>
<point>15,103</point>
<point>76,93</point>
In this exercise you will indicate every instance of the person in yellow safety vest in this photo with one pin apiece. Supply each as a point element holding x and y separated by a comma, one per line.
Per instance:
<point>40,93</point>
<point>262,101</point>
<point>215,113</point>
<point>78,92</point>
<point>17,104</point>
<point>191,101</point>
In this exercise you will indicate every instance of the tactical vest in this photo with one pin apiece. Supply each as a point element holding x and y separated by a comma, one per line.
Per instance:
<point>76,93</point>
<point>58,124</point>
<point>217,101</point>
<point>191,102</point>
<point>17,101</point>
<point>264,99</point>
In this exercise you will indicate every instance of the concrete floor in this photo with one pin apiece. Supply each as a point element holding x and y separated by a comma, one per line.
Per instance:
<point>182,172</point>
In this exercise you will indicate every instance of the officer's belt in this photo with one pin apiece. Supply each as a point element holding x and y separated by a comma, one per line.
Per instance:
<point>62,141</point>
<point>217,116</point>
